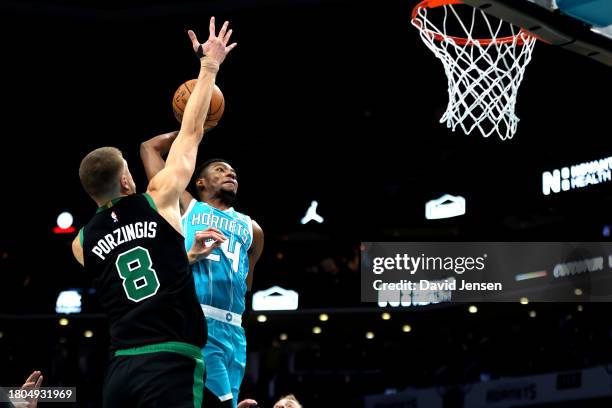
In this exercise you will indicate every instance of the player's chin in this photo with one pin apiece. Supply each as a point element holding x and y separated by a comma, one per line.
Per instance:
<point>229,188</point>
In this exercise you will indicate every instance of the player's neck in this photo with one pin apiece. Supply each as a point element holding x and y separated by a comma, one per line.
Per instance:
<point>107,202</point>
<point>216,202</point>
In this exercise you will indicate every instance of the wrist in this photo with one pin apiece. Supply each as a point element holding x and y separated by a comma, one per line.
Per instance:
<point>193,258</point>
<point>209,64</point>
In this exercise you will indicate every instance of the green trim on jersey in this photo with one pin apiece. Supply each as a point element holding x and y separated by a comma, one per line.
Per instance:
<point>81,237</point>
<point>151,202</point>
<point>185,349</point>
<point>188,350</point>
<point>109,204</point>
<point>198,381</point>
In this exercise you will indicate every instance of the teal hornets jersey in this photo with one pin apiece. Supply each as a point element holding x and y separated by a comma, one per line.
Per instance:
<point>220,278</point>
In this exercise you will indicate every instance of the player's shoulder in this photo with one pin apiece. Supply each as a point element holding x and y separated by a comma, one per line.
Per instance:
<point>194,205</point>
<point>240,215</point>
<point>197,205</point>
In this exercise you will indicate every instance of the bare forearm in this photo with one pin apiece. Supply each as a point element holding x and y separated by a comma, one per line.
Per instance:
<point>160,143</point>
<point>199,100</point>
<point>153,150</point>
<point>170,182</point>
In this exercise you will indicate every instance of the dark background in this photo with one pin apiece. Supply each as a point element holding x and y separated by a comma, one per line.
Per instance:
<point>335,101</point>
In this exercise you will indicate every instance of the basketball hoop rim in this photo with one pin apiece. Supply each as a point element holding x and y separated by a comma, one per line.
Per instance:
<point>518,39</point>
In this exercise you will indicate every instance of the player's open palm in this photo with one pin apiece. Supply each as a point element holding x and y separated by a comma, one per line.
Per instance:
<point>216,46</point>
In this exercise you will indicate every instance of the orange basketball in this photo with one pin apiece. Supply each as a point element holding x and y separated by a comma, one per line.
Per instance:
<point>217,103</point>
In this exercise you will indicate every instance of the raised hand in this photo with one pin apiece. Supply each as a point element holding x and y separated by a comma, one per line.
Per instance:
<point>32,383</point>
<point>216,46</point>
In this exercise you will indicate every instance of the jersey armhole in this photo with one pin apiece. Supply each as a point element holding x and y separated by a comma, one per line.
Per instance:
<point>251,233</point>
<point>151,202</point>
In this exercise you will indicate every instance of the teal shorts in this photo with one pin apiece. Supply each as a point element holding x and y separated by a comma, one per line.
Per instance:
<point>225,358</point>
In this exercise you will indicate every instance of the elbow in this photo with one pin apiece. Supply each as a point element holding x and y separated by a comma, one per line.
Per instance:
<point>145,147</point>
<point>149,147</point>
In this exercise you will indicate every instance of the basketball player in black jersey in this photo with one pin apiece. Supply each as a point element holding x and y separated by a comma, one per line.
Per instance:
<point>134,249</point>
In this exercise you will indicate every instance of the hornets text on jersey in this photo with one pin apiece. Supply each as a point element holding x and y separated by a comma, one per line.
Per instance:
<point>221,277</point>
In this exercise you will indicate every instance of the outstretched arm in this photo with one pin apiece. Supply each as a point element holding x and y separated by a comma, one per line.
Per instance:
<point>167,185</point>
<point>152,154</point>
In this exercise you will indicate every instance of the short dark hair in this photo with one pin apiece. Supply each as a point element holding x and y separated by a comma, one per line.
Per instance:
<point>100,170</point>
<point>202,167</point>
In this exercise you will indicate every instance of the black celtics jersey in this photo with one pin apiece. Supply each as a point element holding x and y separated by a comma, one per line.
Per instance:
<point>142,275</point>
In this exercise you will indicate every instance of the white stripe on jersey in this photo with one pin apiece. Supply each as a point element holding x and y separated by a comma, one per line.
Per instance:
<point>188,210</point>
<point>250,222</point>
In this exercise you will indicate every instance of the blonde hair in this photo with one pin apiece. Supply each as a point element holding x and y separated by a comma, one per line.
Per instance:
<point>100,171</point>
<point>291,397</point>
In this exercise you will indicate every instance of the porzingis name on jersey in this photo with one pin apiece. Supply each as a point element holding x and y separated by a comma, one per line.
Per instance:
<point>126,233</point>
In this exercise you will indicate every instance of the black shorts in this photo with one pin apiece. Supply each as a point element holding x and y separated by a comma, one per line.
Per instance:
<point>164,375</point>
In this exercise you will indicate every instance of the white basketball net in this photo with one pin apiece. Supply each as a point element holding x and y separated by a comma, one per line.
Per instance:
<point>483,76</point>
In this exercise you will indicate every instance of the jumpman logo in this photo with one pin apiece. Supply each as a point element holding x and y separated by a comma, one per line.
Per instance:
<point>311,214</point>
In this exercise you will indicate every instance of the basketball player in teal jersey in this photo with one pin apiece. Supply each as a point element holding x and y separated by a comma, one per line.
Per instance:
<point>223,277</point>
<point>133,248</point>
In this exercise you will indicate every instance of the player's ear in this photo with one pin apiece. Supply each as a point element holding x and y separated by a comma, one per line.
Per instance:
<point>200,183</point>
<point>125,184</point>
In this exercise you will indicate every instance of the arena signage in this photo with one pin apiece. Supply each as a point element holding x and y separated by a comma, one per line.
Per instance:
<point>577,176</point>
